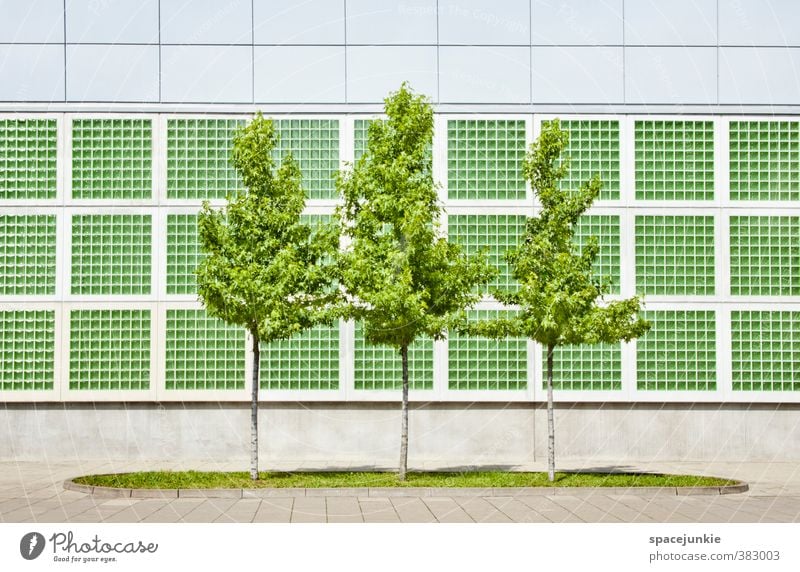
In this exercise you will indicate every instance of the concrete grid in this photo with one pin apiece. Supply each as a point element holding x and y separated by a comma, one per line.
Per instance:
<point>33,492</point>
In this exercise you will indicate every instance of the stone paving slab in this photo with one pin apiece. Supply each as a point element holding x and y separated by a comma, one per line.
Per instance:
<point>33,492</point>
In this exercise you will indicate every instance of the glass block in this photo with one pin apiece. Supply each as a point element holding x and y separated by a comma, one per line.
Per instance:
<point>109,350</point>
<point>381,367</point>
<point>111,254</point>
<point>478,363</point>
<point>28,149</point>
<point>183,253</point>
<point>679,352</point>
<point>484,159</point>
<point>27,254</point>
<point>198,158</point>
<point>674,160</point>
<point>766,350</point>
<point>765,160</point>
<point>585,367</point>
<point>765,255</point>
<point>112,159</point>
<point>593,149</point>
<point>361,126</point>
<point>495,233</point>
<point>606,229</point>
<point>27,350</point>
<point>675,254</point>
<point>203,352</point>
<point>314,144</point>
<point>308,360</point>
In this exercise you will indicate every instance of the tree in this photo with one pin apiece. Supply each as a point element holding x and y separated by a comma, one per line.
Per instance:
<point>402,280</point>
<point>264,269</point>
<point>560,299</point>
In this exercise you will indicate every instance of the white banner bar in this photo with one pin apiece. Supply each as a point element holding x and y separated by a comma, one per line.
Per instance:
<point>400,547</point>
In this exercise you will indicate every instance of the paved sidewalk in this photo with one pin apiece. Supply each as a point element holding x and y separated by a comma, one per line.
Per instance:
<point>33,492</point>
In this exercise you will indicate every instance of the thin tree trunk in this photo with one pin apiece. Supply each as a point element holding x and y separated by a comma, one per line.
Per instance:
<point>551,427</point>
<point>254,411</point>
<point>404,418</point>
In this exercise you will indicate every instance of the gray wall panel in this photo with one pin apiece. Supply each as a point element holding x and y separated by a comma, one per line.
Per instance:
<point>484,22</point>
<point>676,22</point>
<point>307,22</point>
<point>206,74</point>
<point>206,22</point>
<point>670,75</point>
<point>759,75</point>
<point>32,21</point>
<point>762,23</point>
<point>480,74</point>
<point>577,22</point>
<point>32,73</point>
<point>391,21</point>
<point>372,72</point>
<point>112,22</point>
<point>300,74</point>
<point>460,52</point>
<point>577,75</point>
<point>112,73</point>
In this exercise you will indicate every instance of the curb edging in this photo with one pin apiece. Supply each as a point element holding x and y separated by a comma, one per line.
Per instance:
<point>383,492</point>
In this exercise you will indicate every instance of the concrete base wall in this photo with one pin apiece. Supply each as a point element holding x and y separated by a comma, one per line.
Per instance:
<point>368,433</point>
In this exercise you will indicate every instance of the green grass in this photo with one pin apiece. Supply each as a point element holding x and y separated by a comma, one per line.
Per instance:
<point>200,480</point>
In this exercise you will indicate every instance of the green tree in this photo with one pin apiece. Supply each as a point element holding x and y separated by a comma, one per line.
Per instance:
<point>560,299</point>
<point>402,280</point>
<point>264,269</point>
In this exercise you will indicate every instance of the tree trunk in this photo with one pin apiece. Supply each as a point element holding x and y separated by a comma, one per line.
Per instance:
<point>551,427</point>
<point>254,411</point>
<point>404,418</point>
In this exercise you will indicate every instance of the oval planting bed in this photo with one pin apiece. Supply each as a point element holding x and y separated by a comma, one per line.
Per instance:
<point>194,484</point>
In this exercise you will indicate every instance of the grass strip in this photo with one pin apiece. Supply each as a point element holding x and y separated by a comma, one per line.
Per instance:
<point>241,480</point>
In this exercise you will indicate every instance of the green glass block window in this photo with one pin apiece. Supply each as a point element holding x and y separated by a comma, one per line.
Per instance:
<point>203,352</point>
<point>111,254</point>
<point>477,363</point>
<point>198,158</point>
<point>314,144</point>
<point>765,255</point>
<point>679,352</point>
<point>183,253</point>
<point>766,350</point>
<point>484,159</point>
<point>309,360</point>
<point>595,367</point>
<point>765,160</point>
<point>112,159</point>
<point>496,233</point>
<point>674,160</point>
<point>675,255</point>
<point>28,149</point>
<point>593,149</point>
<point>27,254</point>
<point>27,350</point>
<point>109,350</point>
<point>606,229</point>
<point>380,367</point>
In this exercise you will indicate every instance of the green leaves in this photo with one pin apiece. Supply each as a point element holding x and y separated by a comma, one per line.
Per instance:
<point>264,269</point>
<point>560,298</point>
<point>402,279</point>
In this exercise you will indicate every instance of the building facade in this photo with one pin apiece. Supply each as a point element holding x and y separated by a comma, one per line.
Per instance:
<point>115,125</point>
